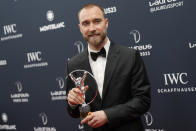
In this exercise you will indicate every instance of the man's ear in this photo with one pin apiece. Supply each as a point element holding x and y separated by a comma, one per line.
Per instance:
<point>107,21</point>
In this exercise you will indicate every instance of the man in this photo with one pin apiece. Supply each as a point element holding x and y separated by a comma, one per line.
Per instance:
<point>123,86</point>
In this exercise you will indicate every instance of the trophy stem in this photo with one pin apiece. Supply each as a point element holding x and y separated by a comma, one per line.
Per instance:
<point>84,110</point>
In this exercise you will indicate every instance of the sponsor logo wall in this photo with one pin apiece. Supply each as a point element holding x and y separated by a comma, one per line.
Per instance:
<point>52,26</point>
<point>60,93</point>
<point>159,5</point>
<point>144,48</point>
<point>38,38</point>
<point>176,83</point>
<point>34,59</point>
<point>149,120</point>
<point>10,32</point>
<point>19,96</point>
<point>45,126</point>
<point>6,125</point>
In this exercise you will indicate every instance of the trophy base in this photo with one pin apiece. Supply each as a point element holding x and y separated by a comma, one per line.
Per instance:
<point>84,110</point>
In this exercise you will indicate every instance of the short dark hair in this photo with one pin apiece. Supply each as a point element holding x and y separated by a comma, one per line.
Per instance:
<point>90,6</point>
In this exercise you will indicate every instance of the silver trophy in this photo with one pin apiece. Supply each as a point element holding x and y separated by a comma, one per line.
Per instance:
<point>80,83</point>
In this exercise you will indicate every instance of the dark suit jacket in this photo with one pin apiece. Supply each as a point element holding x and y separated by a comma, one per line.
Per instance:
<point>126,90</point>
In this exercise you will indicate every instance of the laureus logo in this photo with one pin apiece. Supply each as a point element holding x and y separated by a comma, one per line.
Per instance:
<point>59,94</point>
<point>20,96</point>
<point>158,5</point>
<point>60,82</point>
<point>136,35</point>
<point>81,127</point>
<point>80,46</point>
<point>192,45</point>
<point>43,118</point>
<point>50,15</point>
<point>4,117</point>
<point>110,10</point>
<point>145,49</point>
<point>148,118</point>
<point>19,86</point>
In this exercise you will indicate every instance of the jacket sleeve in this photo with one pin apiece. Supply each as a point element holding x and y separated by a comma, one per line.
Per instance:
<point>73,112</point>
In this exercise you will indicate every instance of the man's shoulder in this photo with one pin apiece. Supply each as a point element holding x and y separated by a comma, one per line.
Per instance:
<point>77,57</point>
<point>124,49</point>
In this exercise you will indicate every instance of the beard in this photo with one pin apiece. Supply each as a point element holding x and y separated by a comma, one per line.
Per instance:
<point>95,39</point>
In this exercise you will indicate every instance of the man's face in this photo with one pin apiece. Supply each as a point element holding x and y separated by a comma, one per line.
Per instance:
<point>93,25</point>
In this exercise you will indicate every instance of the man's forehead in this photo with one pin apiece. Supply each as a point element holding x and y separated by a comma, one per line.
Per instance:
<point>90,13</point>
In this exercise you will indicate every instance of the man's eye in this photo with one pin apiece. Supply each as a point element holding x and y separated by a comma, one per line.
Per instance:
<point>85,23</point>
<point>97,21</point>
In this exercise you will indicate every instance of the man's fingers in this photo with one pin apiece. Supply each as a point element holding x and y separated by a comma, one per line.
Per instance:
<point>92,122</point>
<point>96,119</point>
<point>88,118</point>
<point>74,98</point>
<point>84,120</point>
<point>74,95</point>
<point>77,91</point>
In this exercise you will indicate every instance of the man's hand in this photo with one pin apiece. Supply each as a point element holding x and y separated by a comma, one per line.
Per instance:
<point>96,119</point>
<point>75,96</point>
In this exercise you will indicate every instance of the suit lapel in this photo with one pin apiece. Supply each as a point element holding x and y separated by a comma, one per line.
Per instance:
<point>84,61</point>
<point>85,65</point>
<point>110,67</point>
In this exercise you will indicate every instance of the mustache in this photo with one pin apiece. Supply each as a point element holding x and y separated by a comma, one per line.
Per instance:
<point>94,33</point>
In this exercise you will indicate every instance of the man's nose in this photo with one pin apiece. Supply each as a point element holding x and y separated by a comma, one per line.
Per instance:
<point>92,27</point>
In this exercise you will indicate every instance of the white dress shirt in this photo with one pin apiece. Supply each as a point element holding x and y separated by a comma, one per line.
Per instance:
<point>98,67</point>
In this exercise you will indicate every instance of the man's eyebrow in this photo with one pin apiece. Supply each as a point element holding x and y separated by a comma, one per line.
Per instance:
<point>97,19</point>
<point>84,21</point>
